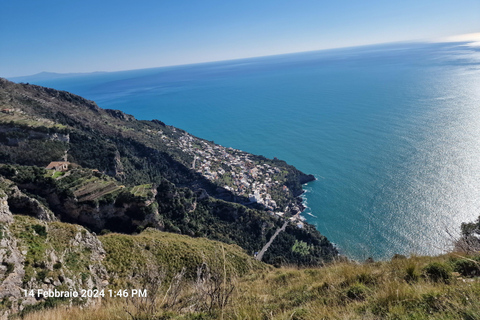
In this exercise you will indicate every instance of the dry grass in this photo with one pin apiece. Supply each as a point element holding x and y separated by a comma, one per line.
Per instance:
<point>102,311</point>
<point>397,289</point>
<point>353,291</point>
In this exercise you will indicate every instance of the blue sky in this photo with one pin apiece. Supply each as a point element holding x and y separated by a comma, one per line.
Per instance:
<point>103,35</point>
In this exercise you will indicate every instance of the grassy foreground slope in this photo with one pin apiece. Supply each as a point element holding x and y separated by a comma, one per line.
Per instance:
<point>444,287</point>
<point>57,256</point>
<point>196,278</point>
<point>130,255</point>
<point>230,285</point>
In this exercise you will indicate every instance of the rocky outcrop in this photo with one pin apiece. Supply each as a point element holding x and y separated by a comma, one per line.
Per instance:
<point>20,203</point>
<point>5,214</point>
<point>12,267</point>
<point>39,255</point>
<point>120,115</point>
<point>118,170</point>
<point>125,213</point>
<point>11,259</point>
<point>306,178</point>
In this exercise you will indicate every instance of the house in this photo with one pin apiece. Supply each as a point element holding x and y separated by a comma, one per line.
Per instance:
<point>58,166</point>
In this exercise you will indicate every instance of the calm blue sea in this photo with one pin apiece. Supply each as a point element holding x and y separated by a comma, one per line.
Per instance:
<point>391,132</point>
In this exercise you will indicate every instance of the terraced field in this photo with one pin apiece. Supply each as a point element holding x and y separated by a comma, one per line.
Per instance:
<point>141,190</point>
<point>85,184</point>
<point>88,186</point>
<point>95,189</point>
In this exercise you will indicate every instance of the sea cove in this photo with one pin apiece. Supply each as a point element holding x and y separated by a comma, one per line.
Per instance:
<point>391,132</point>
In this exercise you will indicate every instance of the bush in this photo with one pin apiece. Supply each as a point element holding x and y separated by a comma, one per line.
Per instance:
<point>438,272</point>
<point>41,275</point>
<point>105,231</point>
<point>40,230</point>
<point>467,267</point>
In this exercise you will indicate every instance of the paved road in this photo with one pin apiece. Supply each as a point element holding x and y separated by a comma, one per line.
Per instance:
<point>265,247</point>
<point>194,160</point>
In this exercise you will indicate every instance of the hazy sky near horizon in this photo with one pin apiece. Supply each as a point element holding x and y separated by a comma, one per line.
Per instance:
<point>104,35</point>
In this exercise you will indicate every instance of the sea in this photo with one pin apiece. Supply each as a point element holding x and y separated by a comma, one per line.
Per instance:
<point>391,132</point>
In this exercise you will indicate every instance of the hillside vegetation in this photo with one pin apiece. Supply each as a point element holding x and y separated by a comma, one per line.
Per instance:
<point>195,278</point>
<point>444,287</point>
<point>65,257</point>
<point>126,175</point>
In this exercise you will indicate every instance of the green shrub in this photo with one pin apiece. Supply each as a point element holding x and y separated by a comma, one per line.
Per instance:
<point>301,248</point>
<point>467,267</point>
<point>438,272</point>
<point>5,304</point>
<point>41,275</point>
<point>40,230</point>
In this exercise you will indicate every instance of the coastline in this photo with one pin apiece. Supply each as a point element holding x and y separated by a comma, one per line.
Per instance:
<point>304,179</point>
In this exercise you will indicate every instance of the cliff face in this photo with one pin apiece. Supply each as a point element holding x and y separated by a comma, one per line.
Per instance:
<point>12,270</point>
<point>20,203</point>
<point>36,255</point>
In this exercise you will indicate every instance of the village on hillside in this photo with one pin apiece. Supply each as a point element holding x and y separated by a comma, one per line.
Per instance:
<point>236,172</point>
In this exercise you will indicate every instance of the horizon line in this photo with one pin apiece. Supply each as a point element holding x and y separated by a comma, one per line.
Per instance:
<point>462,38</point>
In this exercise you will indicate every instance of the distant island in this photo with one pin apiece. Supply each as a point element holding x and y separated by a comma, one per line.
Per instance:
<point>50,75</point>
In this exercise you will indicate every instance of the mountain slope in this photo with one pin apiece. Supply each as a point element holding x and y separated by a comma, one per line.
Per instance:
<point>126,175</point>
